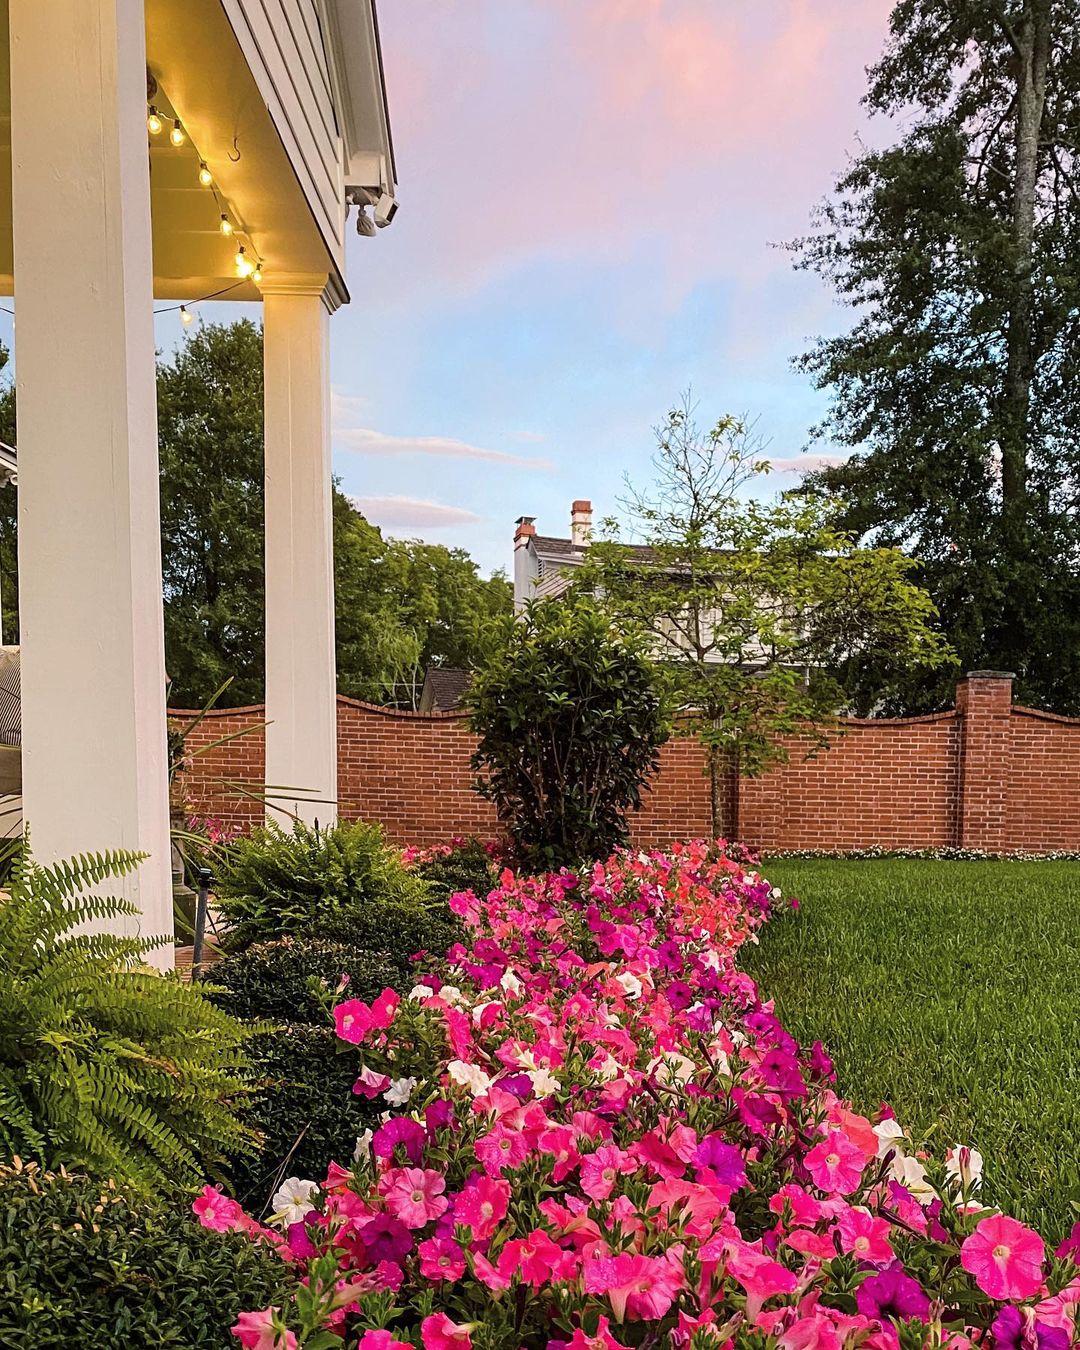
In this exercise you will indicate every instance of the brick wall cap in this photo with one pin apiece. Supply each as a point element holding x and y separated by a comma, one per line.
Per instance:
<point>990,675</point>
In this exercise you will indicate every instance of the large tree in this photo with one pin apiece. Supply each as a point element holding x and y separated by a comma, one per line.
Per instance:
<point>400,605</point>
<point>959,384</point>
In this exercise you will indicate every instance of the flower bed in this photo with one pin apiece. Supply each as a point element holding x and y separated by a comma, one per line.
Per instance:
<point>602,1137</point>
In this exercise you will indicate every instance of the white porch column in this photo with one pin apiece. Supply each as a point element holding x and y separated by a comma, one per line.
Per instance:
<point>93,673</point>
<point>301,669</point>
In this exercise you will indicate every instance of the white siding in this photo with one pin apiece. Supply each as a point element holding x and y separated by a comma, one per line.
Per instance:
<point>284,47</point>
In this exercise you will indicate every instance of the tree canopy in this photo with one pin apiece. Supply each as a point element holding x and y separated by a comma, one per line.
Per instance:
<point>958,385</point>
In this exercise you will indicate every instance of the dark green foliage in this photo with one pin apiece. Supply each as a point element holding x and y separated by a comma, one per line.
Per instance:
<point>97,1265</point>
<point>274,882</point>
<point>949,990</point>
<point>104,1065</point>
<point>570,727</point>
<point>274,980</point>
<point>467,867</point>
<point>958,384</point>
<point>303,1105</point>
<point>397,932</point>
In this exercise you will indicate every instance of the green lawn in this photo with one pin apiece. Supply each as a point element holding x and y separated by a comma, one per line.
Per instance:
<point>951,990</point>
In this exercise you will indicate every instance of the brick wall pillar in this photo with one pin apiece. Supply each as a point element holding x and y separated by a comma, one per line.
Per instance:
<point>984,702</point>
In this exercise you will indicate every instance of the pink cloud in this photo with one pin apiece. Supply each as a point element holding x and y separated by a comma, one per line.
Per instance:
<point>621,129</point>
<point>367,441</point>
<point>412,513</point>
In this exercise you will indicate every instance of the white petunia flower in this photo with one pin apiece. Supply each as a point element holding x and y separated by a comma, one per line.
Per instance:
<point>293,1200</point>
<point>964,1166</point>
<point>510,983</point>
<point>632,986</point>
<point>363,1144</point>
<point>544,1082</point>
<point>471,1076</point>
<point>450,993</point>
<point>911,1173</point>
<point>672,1068</point>
<point>609,1069</point>
<point>890,1136</point>
<point>421,991</point>
<point>399,1091</point>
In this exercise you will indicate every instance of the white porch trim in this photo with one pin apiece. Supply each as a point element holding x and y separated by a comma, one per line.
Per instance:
<point>93,672</point>
<point>301,669</point>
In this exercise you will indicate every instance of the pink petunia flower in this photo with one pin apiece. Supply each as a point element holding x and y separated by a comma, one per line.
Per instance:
<point>1005,1258</point>
<point>439,1333</point>
<point>602,1340</point>
<point>219,1212</point>
<point>441,1259</point>
<point>353,1020</point>
<point>482,1205</point>
<point>600,1170</point>
<point>384,1008</point>
<point>414,1195</point>
<point>835,1164</point>
<point>381,1340</point>
<point>256,1331</point>
<point>864,1237</point>
<point>641,1288</point>
<point>501,1147</point>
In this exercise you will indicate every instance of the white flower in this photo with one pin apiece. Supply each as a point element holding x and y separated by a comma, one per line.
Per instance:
<point>631,984</point>
<point>511,983</point>
<point>471,1076</point>
<point>421,991</point>
<point>450,993</point>
<point>399,1091</point>
<point>363,1144</point>
<point>544,1082</point>
<point>964,1166</point>
<point>672,1068</point>
<point>889,1133</point>
<point>711,960</point>
<point>294,1199</point>
<point>911,1173</point>
<point>611,1068</point>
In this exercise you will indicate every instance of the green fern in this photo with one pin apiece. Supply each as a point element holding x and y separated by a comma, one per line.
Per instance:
<point>104,1064</point>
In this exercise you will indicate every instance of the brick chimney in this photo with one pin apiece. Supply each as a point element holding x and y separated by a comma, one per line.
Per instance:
<point>526,528</point>
<point>580,523</point>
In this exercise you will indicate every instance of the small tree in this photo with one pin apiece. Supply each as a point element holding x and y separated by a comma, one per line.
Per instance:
<point>570,725</point>
<point>755,612</point>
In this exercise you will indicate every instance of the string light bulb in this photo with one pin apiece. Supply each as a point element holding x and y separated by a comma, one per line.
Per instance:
<point>153,121</point>
<point>244,265</point>
<point>186,316</point>
<point>226,225</point>
<point>205,176</point>
<point>257,274</point>
<point>177,134</point>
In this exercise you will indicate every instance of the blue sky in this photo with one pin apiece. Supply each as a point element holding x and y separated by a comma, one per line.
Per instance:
<point>591,192</point>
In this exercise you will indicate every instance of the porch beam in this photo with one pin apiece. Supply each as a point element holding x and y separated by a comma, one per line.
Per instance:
<point>301,670</point>
<point>93,672</point>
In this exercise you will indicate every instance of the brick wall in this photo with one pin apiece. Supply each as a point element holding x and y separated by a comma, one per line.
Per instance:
<point>985,775</point>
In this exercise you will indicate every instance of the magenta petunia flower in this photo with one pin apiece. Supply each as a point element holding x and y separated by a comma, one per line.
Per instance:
<point>385,1239</point>
<point>441,1259</point>
<point>1005,1258</point>
<point>1018,1329</point>
<point>439,1333</point>
<point>482,1205</point>
<point>501,1147</point>
<point>403,1131</point>
<point>353,1020</point>
<point>892,1295</point>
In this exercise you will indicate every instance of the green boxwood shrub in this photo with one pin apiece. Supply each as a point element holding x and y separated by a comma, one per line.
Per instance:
<point>467,866</point>
<point>274,980</point>
<point>98,1265</point>
<point>274,882</point>
<point>303,1104</point>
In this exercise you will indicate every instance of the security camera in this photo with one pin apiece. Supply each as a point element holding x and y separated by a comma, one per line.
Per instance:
<point>385,210</point>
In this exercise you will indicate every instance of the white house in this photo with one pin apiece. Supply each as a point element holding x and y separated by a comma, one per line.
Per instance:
<point>169,150</point>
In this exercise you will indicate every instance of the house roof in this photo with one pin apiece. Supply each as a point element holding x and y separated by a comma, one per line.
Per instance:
<point>444,688</point>
<point>565,550</point>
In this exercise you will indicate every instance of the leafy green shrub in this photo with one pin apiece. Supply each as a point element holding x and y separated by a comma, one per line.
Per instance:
<point>274,980</point>
<point>273,882</point>
<point>100,1265</point>
<point>303,1105</point>
<point>462,865</point>
<point>570,726</point>
<point>399,932</point>
<point>105,1066</point>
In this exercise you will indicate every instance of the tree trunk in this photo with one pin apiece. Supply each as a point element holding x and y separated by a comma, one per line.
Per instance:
<point>1032,60</point>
